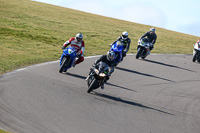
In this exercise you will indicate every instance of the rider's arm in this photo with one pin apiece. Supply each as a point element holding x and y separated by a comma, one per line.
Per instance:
<point>116,40</point>
<point>98,60</point>
<point>67,43</point>
<point>111,70</point>
<point>127,46</point>
<point>112,66</point>
<point>82,47</point>
<point>154,40</point>
<point>82,50</point>
<point>144,35</point>
<point>81,53</point>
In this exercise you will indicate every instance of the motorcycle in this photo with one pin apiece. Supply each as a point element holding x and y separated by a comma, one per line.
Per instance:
<point>67,59</point>
<point>143,48</point>
<point>117,47</point>
<point>97,76</point>
<point>196,52</point>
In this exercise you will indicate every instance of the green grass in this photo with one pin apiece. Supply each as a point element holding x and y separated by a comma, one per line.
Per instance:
<point>32,32</point>
<point>2,131</point>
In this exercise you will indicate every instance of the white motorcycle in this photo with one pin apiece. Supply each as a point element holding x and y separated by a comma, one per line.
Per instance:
<point>143,48</point>
<point>196,52</point>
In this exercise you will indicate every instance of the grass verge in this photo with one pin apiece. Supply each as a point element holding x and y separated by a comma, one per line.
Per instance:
<point>2,131</point>
<point>33,32</point>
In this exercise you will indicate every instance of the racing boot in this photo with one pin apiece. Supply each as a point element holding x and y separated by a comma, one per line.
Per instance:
<point>148,52</point>
<point>102,86</point>
<point>74,64</point>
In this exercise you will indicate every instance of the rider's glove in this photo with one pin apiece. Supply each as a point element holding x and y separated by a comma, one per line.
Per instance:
<point>124,54</point>
<point>63,47</point>
<point>109,74</point>
<point>107,78</point>
<point>151,46</point>
<point>79,55</point>
<point>110,45</point>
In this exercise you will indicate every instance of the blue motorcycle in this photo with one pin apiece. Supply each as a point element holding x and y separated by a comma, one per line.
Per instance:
<point>67,59</point>
<point>117,47</point>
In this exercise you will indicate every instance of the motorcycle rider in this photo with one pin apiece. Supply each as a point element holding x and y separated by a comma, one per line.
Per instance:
<point>126,41</point>
<point>151,36</point>
<point>109,59</point>
<point>197,41</point>
<point>196,51</point>
<point>78,43</point>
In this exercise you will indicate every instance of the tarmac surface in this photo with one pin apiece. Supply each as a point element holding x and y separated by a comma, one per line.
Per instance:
<point>158,95</point>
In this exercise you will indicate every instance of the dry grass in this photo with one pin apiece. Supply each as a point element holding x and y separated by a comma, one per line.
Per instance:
<point>2,131</point>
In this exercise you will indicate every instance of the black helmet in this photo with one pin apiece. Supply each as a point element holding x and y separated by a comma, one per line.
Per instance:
<point>110,55</point>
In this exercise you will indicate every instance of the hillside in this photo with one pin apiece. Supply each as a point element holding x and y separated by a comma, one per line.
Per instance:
<point>33,32</point>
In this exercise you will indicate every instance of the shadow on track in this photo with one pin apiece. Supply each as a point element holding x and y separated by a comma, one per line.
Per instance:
<point>148,75</point>
<point>82,77</point>
<point>164,64</point>
<point>120,87</point>
<point>75,75</point>
<point>118,99</point>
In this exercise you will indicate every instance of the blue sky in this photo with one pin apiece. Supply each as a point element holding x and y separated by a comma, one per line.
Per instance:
<point>176,15</point>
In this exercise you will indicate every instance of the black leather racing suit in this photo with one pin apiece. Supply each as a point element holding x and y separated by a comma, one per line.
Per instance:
<point>126,41</point>
<point>151,38</point>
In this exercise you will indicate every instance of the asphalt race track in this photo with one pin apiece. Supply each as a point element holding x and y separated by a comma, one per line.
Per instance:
<point>158,95</point>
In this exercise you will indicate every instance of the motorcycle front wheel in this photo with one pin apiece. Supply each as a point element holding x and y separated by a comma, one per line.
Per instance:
<point>194,57</point>
<point>143,57</point>
<point>64,63</point>
<point>92,85</point>
<point>138,53</point>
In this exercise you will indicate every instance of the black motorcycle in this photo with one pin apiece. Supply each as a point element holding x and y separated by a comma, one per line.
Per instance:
<point>97,76</point>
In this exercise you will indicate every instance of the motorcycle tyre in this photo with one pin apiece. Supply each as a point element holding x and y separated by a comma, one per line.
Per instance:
<point>64,61</point>
<point>92,85</point>
<point>143,57</point>
<point>194,57</point>
<point>138,53</point>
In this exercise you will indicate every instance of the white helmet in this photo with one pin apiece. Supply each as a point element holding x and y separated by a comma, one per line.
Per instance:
<point>110,55</point>
<point>124,35</point>
<point>79,37</point>
<point>153,30</point>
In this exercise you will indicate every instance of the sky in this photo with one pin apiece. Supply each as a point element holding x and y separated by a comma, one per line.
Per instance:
<point>176,15</point>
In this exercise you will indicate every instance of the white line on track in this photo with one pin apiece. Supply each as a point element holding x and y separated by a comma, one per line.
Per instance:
<point>21,69</point>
